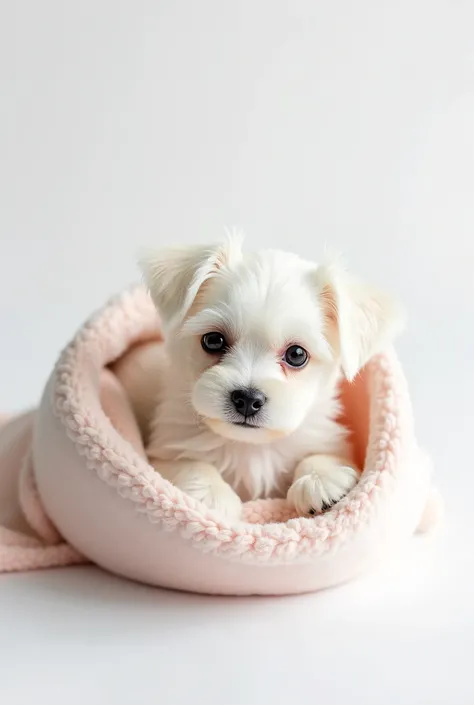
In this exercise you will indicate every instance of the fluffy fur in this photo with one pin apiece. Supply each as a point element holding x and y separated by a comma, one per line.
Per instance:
<point>261,303</point>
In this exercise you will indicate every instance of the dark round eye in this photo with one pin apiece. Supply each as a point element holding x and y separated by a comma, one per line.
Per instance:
<point>214,343</point>
<point>296,356</point>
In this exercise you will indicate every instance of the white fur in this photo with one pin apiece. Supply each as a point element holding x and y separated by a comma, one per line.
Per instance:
<point>319,481</point>
<point>262,302</point>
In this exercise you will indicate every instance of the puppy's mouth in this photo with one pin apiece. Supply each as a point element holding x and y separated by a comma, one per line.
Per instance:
<point>245,424</point>
<point>244,431</point>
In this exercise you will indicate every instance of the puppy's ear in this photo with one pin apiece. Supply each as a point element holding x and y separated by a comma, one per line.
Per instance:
<point>361,321</point>
<point>175,275</point>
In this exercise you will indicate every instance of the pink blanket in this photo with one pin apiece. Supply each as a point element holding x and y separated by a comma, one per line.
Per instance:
<point>28,540</point>
<point>83,448</point>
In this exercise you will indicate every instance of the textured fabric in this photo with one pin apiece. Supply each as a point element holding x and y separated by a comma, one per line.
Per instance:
<point>28,540</point>
<point>76,468</point>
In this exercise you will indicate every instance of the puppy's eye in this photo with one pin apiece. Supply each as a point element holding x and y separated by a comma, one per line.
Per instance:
<point>214,343</point>
<point>296,356</point>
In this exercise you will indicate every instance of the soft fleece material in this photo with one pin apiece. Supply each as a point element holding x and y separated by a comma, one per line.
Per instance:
<point>75,485</point>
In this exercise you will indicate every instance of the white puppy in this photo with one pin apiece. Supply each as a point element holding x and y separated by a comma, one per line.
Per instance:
<point>257,344</point>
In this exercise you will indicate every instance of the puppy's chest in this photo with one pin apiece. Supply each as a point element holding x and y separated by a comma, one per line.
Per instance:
<point>252,470</point>
<point>255,471</point>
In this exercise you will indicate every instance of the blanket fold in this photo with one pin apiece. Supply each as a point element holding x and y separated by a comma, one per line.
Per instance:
<point>28,539</point>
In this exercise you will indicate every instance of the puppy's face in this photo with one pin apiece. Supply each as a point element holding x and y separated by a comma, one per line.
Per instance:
<point>257,338</point>
<point>253,346</point>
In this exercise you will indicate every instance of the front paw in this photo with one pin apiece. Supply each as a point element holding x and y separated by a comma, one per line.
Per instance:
<point>320,481</point>
<point>204,483</point>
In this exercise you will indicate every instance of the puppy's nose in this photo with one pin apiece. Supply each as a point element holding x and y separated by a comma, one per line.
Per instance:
<point>247,401</point>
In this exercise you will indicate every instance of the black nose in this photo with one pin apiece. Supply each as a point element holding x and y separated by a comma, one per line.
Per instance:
<point>247,401</point>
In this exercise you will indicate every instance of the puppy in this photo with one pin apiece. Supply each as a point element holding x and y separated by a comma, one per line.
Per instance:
<point>257,344</point>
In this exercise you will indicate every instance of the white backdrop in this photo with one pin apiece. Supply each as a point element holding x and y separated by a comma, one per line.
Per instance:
<point>307,123</point>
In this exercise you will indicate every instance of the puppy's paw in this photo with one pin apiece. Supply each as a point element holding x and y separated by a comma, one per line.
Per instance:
<point>320,481</point>
<point>204,483</point>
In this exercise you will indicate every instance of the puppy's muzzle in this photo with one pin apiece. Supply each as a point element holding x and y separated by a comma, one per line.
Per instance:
<point>247,402</point>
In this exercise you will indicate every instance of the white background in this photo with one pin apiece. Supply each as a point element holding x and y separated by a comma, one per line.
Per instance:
<point>308,123</point>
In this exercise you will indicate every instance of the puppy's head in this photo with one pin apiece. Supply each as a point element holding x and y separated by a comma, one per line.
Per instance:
<point>258,338</point>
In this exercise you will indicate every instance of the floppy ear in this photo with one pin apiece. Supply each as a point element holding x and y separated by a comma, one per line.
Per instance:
<point>175,275</point>
<point>361,321</point>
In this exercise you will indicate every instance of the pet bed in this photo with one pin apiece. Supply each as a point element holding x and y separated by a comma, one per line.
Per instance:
<point>75,485</point>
